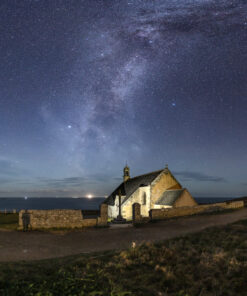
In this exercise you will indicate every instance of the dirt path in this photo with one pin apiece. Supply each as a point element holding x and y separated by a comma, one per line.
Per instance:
<point>15,246</point>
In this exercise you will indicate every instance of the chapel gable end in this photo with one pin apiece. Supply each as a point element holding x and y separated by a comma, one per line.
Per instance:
<point>185,200</point>
<point>165,181</point>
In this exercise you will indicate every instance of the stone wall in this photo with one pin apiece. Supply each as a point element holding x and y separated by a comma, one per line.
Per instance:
<point>163,182</point>
<point>102,220</point>
<point>233,204</point>
<point>137,197</point>
<point>40,219</point>
<point>185,200</point>
<point>159,214</point>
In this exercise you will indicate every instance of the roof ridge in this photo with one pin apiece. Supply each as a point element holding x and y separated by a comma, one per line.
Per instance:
<point>175,179</point>
<point>144,175</point>
<point>175,189</point>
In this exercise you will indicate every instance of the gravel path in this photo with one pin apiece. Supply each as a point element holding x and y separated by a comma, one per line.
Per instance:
<point>16,246</point>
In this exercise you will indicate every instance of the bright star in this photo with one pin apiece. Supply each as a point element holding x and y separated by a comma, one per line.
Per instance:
<point>69,126</point>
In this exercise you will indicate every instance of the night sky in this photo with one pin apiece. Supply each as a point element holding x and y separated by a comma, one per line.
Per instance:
<point>87,85</point>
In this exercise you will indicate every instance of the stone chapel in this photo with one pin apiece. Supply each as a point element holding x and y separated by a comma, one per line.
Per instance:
<point>155,190</point>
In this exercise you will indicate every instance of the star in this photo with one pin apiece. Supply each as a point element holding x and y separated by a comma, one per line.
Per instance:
<point>103,81</point>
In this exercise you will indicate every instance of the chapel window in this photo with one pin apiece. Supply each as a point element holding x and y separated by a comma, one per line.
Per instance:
<point>144,198</point>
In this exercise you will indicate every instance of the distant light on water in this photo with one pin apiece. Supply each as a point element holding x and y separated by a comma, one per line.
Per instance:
<point>89,196</point>
<point>51,203</point>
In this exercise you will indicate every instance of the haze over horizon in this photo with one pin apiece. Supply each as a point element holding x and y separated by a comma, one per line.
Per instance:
<point>87,85</point>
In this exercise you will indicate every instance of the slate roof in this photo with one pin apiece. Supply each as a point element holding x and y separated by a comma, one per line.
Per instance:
<point>131,185</point>
<point>169,197</point>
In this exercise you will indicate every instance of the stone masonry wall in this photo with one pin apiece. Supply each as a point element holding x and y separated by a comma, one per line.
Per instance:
<point>164,182</point>
<point>53,218</point>
<point>103,219</point>
<point>40,219</point>
<point>185,200</point>
<point>137,198</point>
<point>159,214</point>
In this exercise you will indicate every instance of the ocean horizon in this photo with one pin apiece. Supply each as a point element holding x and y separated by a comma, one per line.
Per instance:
<point>78,203</point>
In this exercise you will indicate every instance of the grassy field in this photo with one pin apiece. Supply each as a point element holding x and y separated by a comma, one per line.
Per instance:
<point>213,262</point>
<point>9,221</point>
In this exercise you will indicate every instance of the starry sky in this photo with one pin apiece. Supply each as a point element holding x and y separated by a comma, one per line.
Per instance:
<point>86,85</point>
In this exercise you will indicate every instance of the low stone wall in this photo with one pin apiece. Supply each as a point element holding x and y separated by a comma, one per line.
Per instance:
<point>52,218</point>
<point>103,219</point>
<point>41,219</point>
<point>233,204</point>
<point>159,214</point>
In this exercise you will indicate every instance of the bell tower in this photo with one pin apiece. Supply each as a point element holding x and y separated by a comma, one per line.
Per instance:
<point>126,172</point>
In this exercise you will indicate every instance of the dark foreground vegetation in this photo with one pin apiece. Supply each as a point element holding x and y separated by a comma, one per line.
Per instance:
<point>213,262</point>
<point>9,221</point>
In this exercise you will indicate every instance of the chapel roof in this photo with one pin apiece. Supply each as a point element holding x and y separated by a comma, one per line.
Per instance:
<point>169,197</point>
<point>131,185</point>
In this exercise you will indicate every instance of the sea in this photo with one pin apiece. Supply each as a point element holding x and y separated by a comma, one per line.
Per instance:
<point>9,204</point>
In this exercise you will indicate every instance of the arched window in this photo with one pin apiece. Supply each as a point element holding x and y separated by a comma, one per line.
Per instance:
<point>144,198</point>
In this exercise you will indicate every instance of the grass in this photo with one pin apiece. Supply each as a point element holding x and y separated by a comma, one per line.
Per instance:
<point>9,221</point>
<point>212,262</point>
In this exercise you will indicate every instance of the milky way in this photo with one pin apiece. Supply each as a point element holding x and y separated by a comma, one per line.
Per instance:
<point>87,85</point>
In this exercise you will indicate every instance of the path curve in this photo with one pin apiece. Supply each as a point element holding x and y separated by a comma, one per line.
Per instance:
<point>16,246</point>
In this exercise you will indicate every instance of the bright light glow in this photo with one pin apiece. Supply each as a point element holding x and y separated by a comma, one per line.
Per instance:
<point>89,196</point>
<point>26,197</point>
